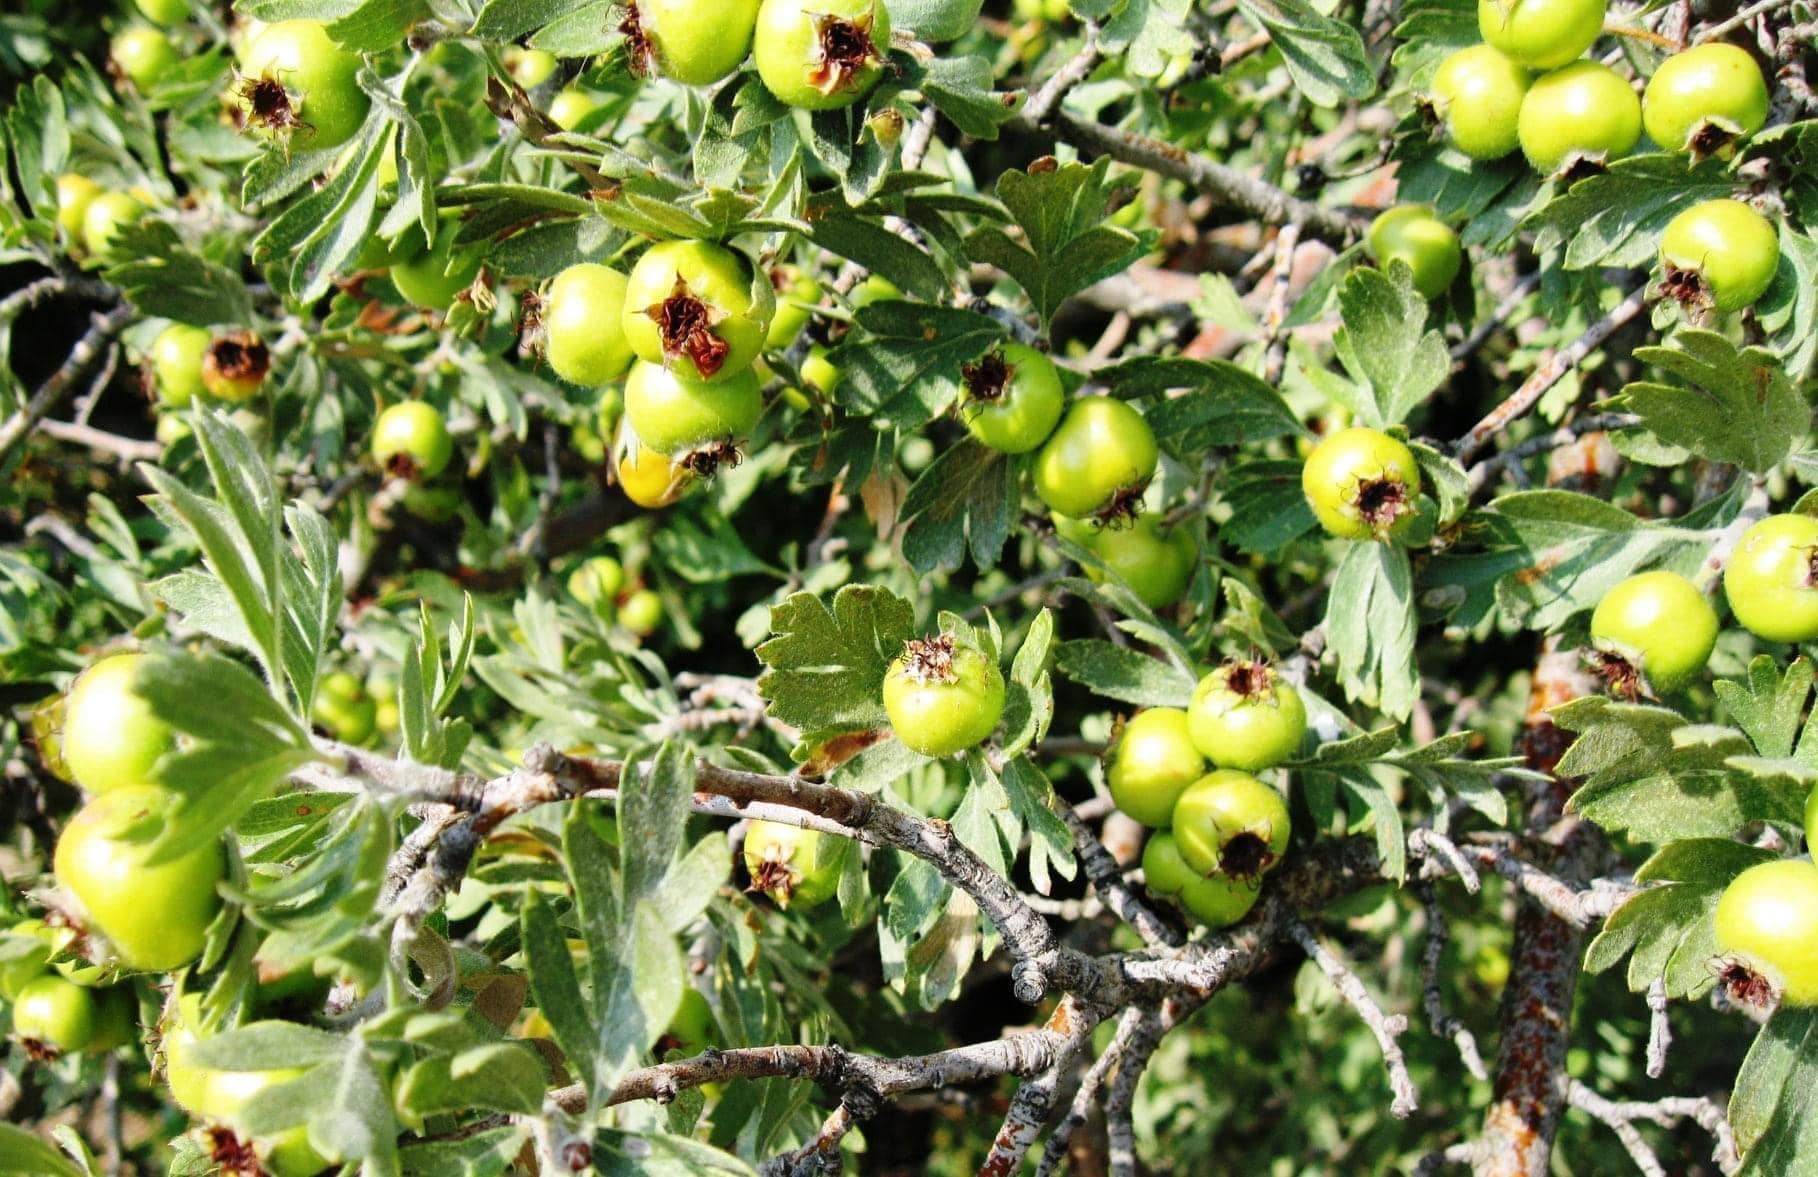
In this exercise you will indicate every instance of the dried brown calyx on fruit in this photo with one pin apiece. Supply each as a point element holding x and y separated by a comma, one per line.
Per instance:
<point>845,51</point>
<point>267,105</point>
<point>988,377</point>
<point>930,660</point>
<point>238,357</point>
<point>685,327</point>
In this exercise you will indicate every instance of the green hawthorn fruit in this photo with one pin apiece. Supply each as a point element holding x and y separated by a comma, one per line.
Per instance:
<point>1410,233</point>
<point>112,739</point>
<point>1584,111</point>
<point>697,44</point>
<point>1097,461</point>
<point>318,77</point>
<point>942,697</point>
<point>821,54</point>
<point>1477,92</point>
<point>1719,253</point>
<point>698,309</point>
<point>1705,98</point>
<point>583,325</point>
<point>154,916</point>
<point>1656,624</point>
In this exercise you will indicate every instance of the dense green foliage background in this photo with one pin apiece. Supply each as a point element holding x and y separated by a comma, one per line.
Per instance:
<point>1238,308</point>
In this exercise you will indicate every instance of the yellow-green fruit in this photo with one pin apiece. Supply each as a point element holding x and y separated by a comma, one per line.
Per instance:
<point>1768,918</point>
<point>1153,764</point>
<point>101,859</point>
<point>596,582</point>
<point>27,957</point>
<point>143,54</point>
<point>112,739</point>
<point>641,612</point>
<point>571,108</point>
<point>1230,823</point>
<point>105,216</point>
<point>226,1094</point>
<point>433,277</point>
<point>74,193</point>
<point>343,708</point>
<point>586,342</point>
<point>318,75</point>
<point>55,1013</point>
<point>1717,84</point>
<point>531,67</point>
<point>176,359</point>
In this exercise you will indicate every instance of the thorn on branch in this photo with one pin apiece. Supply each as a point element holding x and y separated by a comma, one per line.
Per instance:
<point>1660,1031</point>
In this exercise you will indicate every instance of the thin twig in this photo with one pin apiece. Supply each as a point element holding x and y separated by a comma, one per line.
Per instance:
<point>1737,21</point>
<point>1496,318</point>
<point>1034,1100</point>
<point>1548,373</point>
<point>820,1155</point>
<point>1621,1119</point>
<point>1439,1019</point>
<point>1386,1027</point>
<point>1567,434</point>
<point>1109,884</point>
<point>50,394</point>
<point>1043,102</point>
<point>127,449</point>
<point>1276,317</point>
<point>1054,1153</point>
<point>1441,853</point>
<point>1225,184</point>
<point>1754,508</point>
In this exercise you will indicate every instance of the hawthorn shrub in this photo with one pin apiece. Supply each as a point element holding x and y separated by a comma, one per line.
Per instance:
<point>908,586</point>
